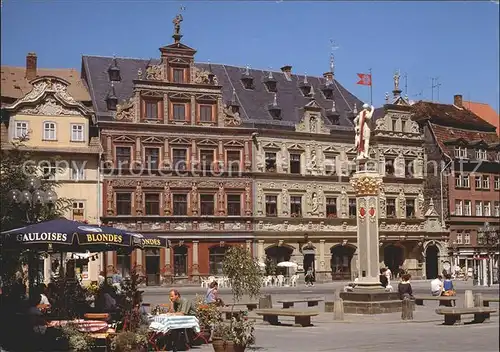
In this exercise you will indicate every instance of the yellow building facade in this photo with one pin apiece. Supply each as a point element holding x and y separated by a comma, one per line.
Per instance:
<point>60,133</point>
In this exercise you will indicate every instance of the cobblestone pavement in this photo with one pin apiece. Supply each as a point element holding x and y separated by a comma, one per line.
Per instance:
<point>383,332</point>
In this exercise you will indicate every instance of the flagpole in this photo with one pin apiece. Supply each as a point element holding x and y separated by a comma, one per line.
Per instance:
<point>371,87</point>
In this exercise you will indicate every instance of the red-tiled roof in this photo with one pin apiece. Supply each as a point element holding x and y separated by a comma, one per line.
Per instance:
<point>445,134</point>
<point>484,111</point>
<point>450,115</point>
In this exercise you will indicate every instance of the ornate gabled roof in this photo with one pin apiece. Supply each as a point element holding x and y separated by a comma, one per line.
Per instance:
<point>448,136</point>
<point>253,102</point>
<point>49,96</point>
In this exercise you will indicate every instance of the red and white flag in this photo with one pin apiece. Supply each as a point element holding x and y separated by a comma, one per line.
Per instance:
<point>365,79</point>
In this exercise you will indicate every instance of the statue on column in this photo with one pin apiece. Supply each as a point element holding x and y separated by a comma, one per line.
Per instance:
<point>363,131</point>
<point>177,24</point>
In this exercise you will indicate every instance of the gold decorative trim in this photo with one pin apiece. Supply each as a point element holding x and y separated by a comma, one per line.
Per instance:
<point>366,185</point>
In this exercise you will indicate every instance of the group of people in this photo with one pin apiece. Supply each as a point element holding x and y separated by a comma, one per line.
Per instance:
<point>440,287</point>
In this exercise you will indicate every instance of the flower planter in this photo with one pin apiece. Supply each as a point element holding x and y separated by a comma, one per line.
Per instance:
<point>220,345</point>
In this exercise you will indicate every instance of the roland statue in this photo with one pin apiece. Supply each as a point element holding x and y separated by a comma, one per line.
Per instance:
<point>363,131</point>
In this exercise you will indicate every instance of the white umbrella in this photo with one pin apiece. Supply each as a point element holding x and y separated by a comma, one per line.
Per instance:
<point>288,265</point>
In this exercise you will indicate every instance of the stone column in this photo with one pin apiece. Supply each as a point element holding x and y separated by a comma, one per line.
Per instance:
<point>260,251</point>
<point>138,260</point>
<point>366,185</point>
<point>195,258</point>
<point>168,267</point>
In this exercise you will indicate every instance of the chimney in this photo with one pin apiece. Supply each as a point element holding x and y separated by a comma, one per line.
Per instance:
<point>328,76</point>
<point>287,71</point>
<point>31,66</point>
<point>458,101</point>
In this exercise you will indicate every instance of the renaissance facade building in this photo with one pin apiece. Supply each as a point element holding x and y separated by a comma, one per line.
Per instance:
<point>211,156</point>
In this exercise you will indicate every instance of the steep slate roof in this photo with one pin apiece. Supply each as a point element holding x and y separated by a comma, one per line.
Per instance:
<point>15,85</point>
<point>253,103</point>
<point>484,111</point>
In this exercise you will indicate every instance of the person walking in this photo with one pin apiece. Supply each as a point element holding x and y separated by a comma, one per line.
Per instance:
<point>309,278</point>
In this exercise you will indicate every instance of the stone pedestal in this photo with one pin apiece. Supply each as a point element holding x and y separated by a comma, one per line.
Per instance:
<point>368,296</point>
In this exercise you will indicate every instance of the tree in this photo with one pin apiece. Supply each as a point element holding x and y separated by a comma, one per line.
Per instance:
<point>17,169</point>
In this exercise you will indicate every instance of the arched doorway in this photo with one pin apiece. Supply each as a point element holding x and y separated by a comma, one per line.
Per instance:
<point>431,262</point>
<point>340,262</point>
<point>394,258</point>
<point>278,254</point>
<point>180,261</point>
<point>216,258</point>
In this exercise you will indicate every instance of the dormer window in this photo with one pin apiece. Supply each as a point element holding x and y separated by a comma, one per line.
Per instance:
<point>178,75</point>
<point>327,91</point>
<point>461,152</point>
<point>247,79</point>
<point>274,109</point>
<point>305,87</point>
<point>481,154</point>
<point>114,72</point>
<point>271,83</point>
<point>111,99</point>
<point>333,117</point>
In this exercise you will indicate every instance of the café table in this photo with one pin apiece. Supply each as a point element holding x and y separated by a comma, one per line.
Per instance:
<point>173,325</point>
<point>89,326</point>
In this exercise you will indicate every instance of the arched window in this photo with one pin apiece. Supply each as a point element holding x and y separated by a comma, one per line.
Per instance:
<point>49,131</point>
<point>180,260</point>
<point>216,258</point>
<point>341,262</point>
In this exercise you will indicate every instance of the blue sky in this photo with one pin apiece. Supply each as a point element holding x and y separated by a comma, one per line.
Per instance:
<point>455,41</point>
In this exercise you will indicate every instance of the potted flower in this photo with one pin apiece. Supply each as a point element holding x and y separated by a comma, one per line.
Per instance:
<point>208,316</point>
<point>245,278</point>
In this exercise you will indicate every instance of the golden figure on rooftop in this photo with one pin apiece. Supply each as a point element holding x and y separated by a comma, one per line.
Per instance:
<point>177,24</point>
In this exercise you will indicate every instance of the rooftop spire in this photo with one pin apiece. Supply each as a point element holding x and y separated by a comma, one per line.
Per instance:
<point>332,56</point>
<point>305,78</point>
<point>275,100</point>
<point>247,70</point>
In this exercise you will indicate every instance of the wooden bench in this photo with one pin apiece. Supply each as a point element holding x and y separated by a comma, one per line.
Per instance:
<point>250,305</point>
<point>302,317</point>
<point>453,316</point>
<point>230,312</point>
<point>443,300</point>
<point>311,302</point>
<point>487,301</point>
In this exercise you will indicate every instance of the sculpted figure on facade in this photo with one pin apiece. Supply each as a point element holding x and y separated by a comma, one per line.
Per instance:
<point>220,198</point>
<point>399,165</point>
<point>312,165</point>
<point>125,110</point>
<point>418,166</point>
<point>314,203</point>
<point>285,201</point>
<point>138,198</point>
<point>260,158</point>
<point>313,124</point>
<point>248,199</point>
<point>154,72</point>
<point>284,157</point>
<point>382,202</point>
<point>402,203</point>
<point>166,199</point>
<point>362,132</point>
<point>109,195</point>
<point>420,204</point>
<point>260,199</point>
<point>177,24</point>
<point>344,203</point>
<point>231,118</point>
<point>194,198</point>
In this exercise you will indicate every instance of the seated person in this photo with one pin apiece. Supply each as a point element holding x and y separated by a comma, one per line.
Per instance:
<point>105,302</point>
<point>179,305</point>
<point>437,286</point>
<point>383,278</point>
<point>35,316</point>
<point>42,290</point>
<point>138,307</point>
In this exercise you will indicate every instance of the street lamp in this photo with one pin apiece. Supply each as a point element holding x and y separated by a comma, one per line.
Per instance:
<point>488,237</point>
<point>454,247</point>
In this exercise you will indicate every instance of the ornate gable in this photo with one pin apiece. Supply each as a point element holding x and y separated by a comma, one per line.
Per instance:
<point>207,142</point>
<point>152,140</point>
<point>312,121</point>
<point>49,97</point>
<point>123,139</point>
<point>233,143</point>
<point>180,141</point>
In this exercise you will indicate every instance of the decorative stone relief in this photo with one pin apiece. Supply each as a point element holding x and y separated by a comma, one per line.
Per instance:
<point>399,165</point>
<point>284,157</point>
<point>221,195</point>
<point>420,204</point>
<point>344,203</point>
<point>194,199</point>
<point>231,118</point>
<point>110,199</point>
<point>362,209</point>
<point>200,76</point>
<point>285,201</point>
<point>314,204</point>
<point>203,226</point>
<point>181,226</point>
<point>167,209</point>
<point>248,199</point>
<point>138,199</point>
<point>125,110</point>
<point>234,226</point>
<point>50,107</point>
<point>155,72</point>
<point>260,158</point>
<point>418,166</point>
<point>312,161</point>
<point>402,204</point>
<point>382,203</point>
